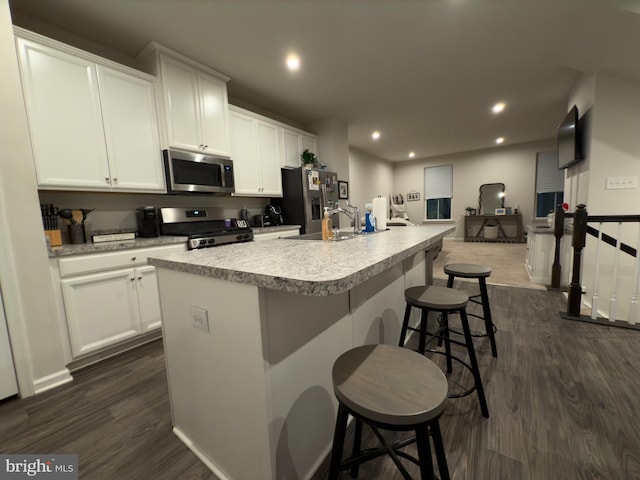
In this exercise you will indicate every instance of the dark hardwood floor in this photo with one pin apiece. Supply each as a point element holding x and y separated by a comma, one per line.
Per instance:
<point>563,398</point>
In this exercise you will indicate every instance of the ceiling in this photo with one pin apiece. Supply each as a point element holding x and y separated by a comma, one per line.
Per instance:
<point>423,73</point>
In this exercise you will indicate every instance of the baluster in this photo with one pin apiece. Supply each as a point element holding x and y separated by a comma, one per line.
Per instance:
<point>596,276</point>
<point>613,304</point>
<point>578,241</point>
<point>633,308</point>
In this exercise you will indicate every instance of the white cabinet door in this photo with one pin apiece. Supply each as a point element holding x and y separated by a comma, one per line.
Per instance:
<point>196,107</point>
<point>294,143</point>
<point>244,153</point>
<point>291,149</point>
<point>131,131</point>
<point>213,104</point>
<point>309,143</point>
<point>148,298</point>
<point>63,109</point>
<point>269,159</point>
<point>101,309</point>
<point>180,83</point>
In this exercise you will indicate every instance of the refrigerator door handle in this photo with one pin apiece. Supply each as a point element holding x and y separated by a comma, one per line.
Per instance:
<point>323,198</point>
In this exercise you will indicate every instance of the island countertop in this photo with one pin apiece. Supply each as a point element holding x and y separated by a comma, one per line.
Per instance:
<point>307,267</point>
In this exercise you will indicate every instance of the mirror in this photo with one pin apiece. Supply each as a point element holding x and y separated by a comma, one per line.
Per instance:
<point>491,197</point>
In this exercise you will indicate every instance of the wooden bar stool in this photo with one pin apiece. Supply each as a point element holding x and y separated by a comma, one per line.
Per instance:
<point>470,270</point>
<point>390,388</point>
<point>445,301</point>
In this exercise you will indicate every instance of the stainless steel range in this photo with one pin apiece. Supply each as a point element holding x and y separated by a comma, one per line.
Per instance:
<point>202,227</point>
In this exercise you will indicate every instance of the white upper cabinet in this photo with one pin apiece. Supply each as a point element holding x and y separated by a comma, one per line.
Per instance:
<point>131,131</point>
<point>256,154</point>
<point>194,101</point>
<point>294,142</point>
<point>93,123</point>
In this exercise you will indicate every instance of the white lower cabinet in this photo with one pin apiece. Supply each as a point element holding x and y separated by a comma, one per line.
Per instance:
<point>110,297</point>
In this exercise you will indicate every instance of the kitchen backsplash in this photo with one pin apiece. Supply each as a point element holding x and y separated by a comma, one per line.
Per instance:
<point>117,211</point>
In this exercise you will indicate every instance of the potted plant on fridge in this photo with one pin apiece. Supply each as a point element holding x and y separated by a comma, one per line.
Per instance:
<point>308,158</point>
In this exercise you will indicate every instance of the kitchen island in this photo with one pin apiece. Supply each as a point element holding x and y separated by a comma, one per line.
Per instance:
<point>252,330</point>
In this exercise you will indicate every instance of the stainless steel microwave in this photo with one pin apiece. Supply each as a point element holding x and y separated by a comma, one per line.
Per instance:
<point>188,172</point>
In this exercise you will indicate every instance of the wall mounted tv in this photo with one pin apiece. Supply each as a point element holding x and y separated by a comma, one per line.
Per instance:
<point>570,140</point>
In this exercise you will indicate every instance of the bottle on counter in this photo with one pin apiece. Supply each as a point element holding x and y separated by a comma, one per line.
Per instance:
<point>369,219</point>
<point>327,225</point>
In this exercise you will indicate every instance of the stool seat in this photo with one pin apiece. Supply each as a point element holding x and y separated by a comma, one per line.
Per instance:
<point>390,385</point>
<point>467,270</point>
<point>435,297</point>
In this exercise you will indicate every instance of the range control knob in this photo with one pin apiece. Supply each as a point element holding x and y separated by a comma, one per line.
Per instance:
<point>211,241</point>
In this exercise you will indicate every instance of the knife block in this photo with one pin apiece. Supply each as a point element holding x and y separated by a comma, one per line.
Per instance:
<point>55,237</point>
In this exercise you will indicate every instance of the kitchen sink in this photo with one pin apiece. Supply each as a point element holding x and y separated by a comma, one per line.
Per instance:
<point>341,235</point>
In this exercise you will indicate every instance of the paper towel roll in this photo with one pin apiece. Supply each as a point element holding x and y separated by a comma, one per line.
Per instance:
<point>380,211</point>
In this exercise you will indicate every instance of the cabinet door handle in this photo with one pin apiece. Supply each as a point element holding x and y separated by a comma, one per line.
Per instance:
<point>132,278</point>
<point>115,179</point>
<point>205,147</point>
<point>133,259</point>
<point>106,179</point>
<point>139,277</point>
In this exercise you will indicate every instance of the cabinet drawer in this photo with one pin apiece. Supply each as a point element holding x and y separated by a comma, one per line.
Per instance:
<point>98,262</point>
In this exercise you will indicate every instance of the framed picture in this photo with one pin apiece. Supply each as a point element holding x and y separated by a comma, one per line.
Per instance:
<point>343,190</point>
<point>500,211</point>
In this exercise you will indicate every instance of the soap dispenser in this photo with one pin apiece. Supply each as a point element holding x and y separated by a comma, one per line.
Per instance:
<point>327,225</point>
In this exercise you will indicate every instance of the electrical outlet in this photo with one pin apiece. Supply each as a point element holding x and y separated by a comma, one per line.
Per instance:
<point>619,183</point>
<point>199,318</point>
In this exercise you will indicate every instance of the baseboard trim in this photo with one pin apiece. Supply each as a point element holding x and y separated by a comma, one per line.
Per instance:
<point>605,322</point>
<point>54,380</point>
<point>200,454</point>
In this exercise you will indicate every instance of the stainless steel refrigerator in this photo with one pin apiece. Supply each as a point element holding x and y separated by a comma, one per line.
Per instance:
<point>305,193</point>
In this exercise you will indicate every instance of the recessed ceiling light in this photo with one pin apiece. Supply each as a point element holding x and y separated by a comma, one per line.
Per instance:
<point>499,140</point>
<point>375,135</point>
<point>412,154</point>
<point>293,62</point>
<point>498,107</point>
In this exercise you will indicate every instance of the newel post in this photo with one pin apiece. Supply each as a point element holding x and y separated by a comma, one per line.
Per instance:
<point>558,229</point>
<point>579,241</point>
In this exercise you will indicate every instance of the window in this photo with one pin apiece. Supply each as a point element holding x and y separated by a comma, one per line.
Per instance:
<point>438,190</point>
<point>549,183</point>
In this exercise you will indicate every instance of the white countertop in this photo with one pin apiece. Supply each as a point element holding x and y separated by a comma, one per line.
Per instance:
<point>307,267</point>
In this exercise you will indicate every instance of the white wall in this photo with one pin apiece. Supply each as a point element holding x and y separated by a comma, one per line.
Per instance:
<point>24,269</point>
<point>370,176</point>
<point>515,166</point>
<point>333,145</point>
<point>613,151</point>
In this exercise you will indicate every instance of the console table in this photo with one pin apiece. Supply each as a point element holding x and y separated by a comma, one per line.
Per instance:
<point>510,228</point>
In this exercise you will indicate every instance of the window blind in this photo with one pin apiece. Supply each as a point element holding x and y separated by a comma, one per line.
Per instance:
<point>438,182</point>
<point>548,177</point>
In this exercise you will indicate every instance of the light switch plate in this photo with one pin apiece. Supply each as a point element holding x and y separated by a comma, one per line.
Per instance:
<point>619,183</point>
<point>199,318</point>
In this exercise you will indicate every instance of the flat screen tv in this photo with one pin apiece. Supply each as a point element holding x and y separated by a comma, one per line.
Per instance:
<point>569,140</point>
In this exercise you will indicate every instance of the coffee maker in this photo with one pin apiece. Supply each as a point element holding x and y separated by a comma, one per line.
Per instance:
<point>275,214</point>
<point>148,222</point>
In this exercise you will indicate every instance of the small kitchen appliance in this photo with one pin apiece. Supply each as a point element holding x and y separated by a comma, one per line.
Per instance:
<point>275,214</point>
<point>188,172</point>
<point>203,227</point>
<point>147,218</point>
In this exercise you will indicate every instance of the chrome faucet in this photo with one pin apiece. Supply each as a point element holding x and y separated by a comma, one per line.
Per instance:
<point>353,214</point>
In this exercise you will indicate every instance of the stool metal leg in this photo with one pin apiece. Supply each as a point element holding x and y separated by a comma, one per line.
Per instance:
<point>474,362</point>
<point>447,343</point>
<point>450,281</point>
<point>424,454</point>
<point>405,324</point>
<point>424,315</point>
<point>486,313</point>
<point>338,442</point>
<point>438,445</point>
<point>357,440</point>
